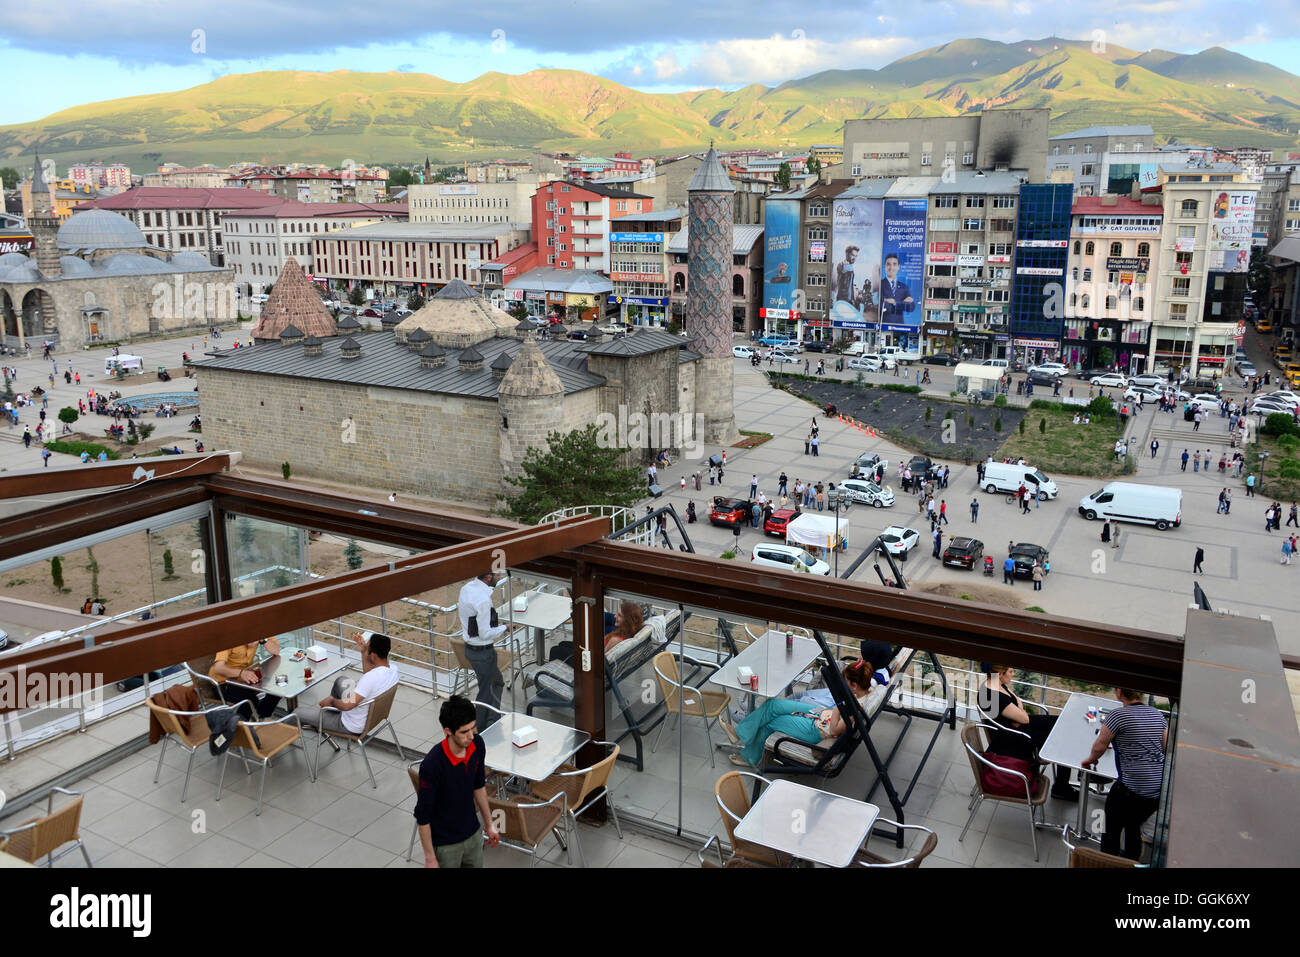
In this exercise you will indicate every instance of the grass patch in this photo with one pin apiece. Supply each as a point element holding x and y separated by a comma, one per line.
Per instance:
<point>1035,608</point>
<point>899,387</point>
<point>1280,480</point>
<point>752,439</point>
<point>76,448</point>
<point>1061,446</point>
<point>728,554</point>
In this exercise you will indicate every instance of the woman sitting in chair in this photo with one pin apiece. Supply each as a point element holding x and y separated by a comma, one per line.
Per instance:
<point>1003,707</point>
<point>800,720</point>
<point>628,620</point>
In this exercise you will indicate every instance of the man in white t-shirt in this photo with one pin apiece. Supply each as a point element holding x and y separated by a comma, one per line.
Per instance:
<point>351,697</point>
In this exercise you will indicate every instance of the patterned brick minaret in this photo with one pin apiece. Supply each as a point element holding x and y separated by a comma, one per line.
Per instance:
<point>708,298</point>
<point>44,225</point>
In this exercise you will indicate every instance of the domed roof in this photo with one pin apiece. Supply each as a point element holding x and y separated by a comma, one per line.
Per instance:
<point>457,317</point>
<point>191,260</point>
<point>123,264</point>
<point>13,259</point>
<point>74,266</point>
<point>99,229</point>
<point>25,271</point>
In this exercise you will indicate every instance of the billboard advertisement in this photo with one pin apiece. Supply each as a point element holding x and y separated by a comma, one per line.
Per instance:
<point>856,227</point>
<point>1121,177</point>
<point>781,254</point>
<point>1232,231</point>
<point>902,263</point>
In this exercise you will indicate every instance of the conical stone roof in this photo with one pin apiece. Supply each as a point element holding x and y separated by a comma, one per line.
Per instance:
<point>530,375</point>
<point>293,301</point>
<point>457,317</point>
<point>711,177</point>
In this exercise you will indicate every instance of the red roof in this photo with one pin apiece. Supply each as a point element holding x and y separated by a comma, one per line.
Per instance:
<point>514,255</point>
<point>299,175</point>
<point>1123,206</point>
<point>292,209</point>
<point>184,197</point>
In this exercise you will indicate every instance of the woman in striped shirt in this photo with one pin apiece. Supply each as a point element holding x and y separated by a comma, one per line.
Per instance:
<point>1140,734</point>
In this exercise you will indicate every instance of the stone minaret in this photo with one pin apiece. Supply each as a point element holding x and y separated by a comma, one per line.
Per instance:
<point>530,399</point>
<point>44,225</point>
<point>708,298</point>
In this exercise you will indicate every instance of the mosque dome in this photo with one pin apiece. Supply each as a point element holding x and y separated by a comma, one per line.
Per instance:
<point>99,229</point>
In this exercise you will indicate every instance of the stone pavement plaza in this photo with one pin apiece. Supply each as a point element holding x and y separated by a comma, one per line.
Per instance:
<point>1145,583</point>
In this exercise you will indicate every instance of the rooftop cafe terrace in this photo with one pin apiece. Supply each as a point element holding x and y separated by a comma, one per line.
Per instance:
<point>691,739</point>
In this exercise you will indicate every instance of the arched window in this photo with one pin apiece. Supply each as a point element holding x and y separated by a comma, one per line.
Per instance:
<point>1089,249</point>
<point>1084,301</point>
<point>1144,249</point>
<point>1076,247</point>
<point>737,285</point>
<point>679,282</point>
<point>1117,249</point>
<point>1087,275</point>
<point>1074,273</point>
<point>1188,207</point>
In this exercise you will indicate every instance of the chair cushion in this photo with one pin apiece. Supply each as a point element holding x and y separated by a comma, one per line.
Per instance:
<point>556,678</point>
<point>796,751</point>
<point>999,783</point>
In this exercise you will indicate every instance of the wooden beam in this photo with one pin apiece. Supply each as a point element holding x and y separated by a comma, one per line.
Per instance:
<point>47,481</point>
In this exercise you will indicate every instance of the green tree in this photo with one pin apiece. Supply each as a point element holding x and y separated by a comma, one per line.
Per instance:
<point>1280,423</point>
<point>397,178</point>
<point>1042,425</point>
<point>415,302</point>
<point>56,572</point>
<point>997,424</point>
<point>68,415</point>
<point>518,312</point>
<point>1105,355</point>
<point>284,470</point>
<point>353,554</point>
<point>783,176</point>
<point>169,566</point>
<point>356,296</point>
<point>814,166</point>
<point>578,468</point>
<point>92,566</point>
<point>8,177</point>
<point>1022,426</point>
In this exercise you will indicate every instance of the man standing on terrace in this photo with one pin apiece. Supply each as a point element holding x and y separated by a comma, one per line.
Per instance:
<point>480,629</point>
<point>453,787</point>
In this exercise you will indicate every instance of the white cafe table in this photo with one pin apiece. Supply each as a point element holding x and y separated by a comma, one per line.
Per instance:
<point>1071,741</point>
<point>768,658</point>
<point>555,744</point>
<point>545,613</point>
<point>809,824</point>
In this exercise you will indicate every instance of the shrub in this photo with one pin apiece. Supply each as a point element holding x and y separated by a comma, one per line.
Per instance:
<point>1042,425</point>
<point>997,424</point>
<point>145,429</point>
<point>1277,423</point>
<point>169,568</point>
<point>1000,401</point>
<point>1036,608</point>
<point>899,387</point>
<point>284,470</point>
<point>728,554</point>
<point>1289,469</point>
<point>928,411</point>
<point>353,555</point>
<point>56,572</point>
<point>1101,408</point>
<point>1022,426</point>
<point>68,415</point>
<point>76,448</point>
<point>1289,443</point>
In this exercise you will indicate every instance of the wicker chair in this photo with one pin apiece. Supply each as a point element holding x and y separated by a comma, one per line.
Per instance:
<point>42,836</point>
<point>206,687</point>
<point>582,788</point>
<point>376,719</point>
<point>733,803</point>
<point>264,740</point>
<point>413,769</point>
<point>192,740</point>
<point>1081,855</point>
<point>464,672</point>
<point>974,744</point>
<point>865,858</point>
<point>707,705</point>
<point>527,824</point>
<point>702,855</point>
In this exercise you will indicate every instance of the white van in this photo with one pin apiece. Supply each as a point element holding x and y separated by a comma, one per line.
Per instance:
<point>1144,504</point>
<point>132,364</point>
<point>998,363</point>
<point>1000,477</point>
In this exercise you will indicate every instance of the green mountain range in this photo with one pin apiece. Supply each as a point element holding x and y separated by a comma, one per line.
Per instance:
<point>1215,97</point>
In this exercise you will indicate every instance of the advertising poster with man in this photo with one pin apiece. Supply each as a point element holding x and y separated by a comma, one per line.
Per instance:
<point>902,266</point>
<point>781,254</point>
<point>855,258</point>
<point>1232,223</point>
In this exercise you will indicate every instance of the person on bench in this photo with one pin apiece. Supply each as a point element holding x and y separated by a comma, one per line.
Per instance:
<point>802,721</point>
<point>878,655</point>
<point>628,620</point>
<point>1000,704</point>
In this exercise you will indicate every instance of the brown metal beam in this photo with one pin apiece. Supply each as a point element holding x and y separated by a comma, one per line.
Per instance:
<point>1070,648</point>
<point>46,481</point>
<point>141,646</point>
<point>589,633</point>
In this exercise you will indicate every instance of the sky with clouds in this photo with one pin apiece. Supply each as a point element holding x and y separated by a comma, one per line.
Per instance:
<point>68,53</point>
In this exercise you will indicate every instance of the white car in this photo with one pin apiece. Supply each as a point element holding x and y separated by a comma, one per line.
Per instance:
<point>898,540</point>
<point>777,356</point>
<point>1266,405</point>
<point>1283,395</point>
<point>1147,395</point>
<point>1110,379</point>
<point>1149,381</point>
<point>865,363</point>
<point>742,352</point>
<point>790,557</point>
<point>1206,400</point>
<point>1246,369</point>
<point>868,493</point>
<point>1050,368</point>
<point>886,362</point>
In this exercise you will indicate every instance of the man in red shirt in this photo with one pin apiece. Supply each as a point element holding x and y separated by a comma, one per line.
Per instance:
<point>453,785</point>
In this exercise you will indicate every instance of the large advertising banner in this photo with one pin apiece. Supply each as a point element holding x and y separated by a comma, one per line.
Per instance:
<point>902,264</point>
<point>780,254</point>
<point>1232,231</point>
<point>856,226</point>
<point>1122,176</point>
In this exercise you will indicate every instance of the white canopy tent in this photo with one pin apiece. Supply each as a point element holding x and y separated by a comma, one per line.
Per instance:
<point>817,531</point>
<point>973,377</point>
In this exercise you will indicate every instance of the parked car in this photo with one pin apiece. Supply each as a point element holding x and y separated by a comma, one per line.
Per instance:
<point>1246,368</point>
<point>730,512</point>
<point>1043,378</point>
<point>1109,380</point>
<point>867,493</point>
<point>1124,501</point>
<point>963,552</point>
<point>1206,400</point>
<point>1051,368</point>
<point>997,363</point>
<point>783,342</point>
<point>778,356</point>
<point>742,352</point>
<point>818,345</point>
<point>886,361</point>
<point>1087,375</point>
<point>855,348</point>
<point>1149,380</point>
<point>900,355</point>
<point>898,540</point>
<point>1283,395</point>
<point>1268,406</point>
<point>788,557</point>
<point>577,334</point>
<point>866,464</point>
<point>778,520</point>
<point>921,465</point>
<point>865,363</point>
<point>940,359</point>
<point>372,313</point>
<point>1025,554</point>
<point>1148,395</point>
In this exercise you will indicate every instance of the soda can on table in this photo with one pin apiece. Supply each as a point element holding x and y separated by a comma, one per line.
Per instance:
<point>1092,713</point>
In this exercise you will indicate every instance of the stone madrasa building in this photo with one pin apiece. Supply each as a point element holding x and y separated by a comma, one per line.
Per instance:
<point>95,279</point>
<point>449,401</point>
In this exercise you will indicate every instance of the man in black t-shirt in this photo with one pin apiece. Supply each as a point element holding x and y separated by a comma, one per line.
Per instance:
<point>1140,734</point>
<point>453,785</point>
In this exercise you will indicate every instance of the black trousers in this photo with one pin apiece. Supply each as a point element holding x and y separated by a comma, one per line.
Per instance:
<point>263,703</point>
<point>1126,812</point>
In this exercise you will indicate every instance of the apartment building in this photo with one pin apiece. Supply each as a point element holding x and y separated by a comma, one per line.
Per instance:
<point>571,222</point>
<point>498,201</point>
<point>796,270</point>
<point>638,265</point>
<point>110,175</point>
<point>931,145</point>
<point>182,177</point>
<point>351,185</point>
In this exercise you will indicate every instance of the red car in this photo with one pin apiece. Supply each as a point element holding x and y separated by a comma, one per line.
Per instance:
<point>372,313</point>
<point>778,520</point>
<point>730,512</point>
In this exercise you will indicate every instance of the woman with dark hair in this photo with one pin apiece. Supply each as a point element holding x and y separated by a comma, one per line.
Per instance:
<point>628,620</point>
<point>1001,705</point>
<point>809,723</point>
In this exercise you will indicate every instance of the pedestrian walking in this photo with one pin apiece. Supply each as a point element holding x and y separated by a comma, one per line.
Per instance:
<point>1196,422</point>
<point>1286,551</point>
<point>1219,510</point>
<point>1196,461</point>
<point>1196,562</point>
<point>753,486</point>
<point>1250,486</point>
<point>938,542</point>
<point>943,512</point>
<point>1185,457</point>
<point>1037,575</point>
<point>481,628</point>
<point>27,436</point>
<point>782,484</point>
<point>45,456</point>
<point>1291,515</point>
<point>452,788</point>
<point>1227,501</point>
<point>815,442</point>
<point>807,443</point>
<point>1114,536</point>
<point>1009,571</point>
<point>1105,531</point>
<point>683,483</point>
<point>1268,519</point>
<point>974,511</point>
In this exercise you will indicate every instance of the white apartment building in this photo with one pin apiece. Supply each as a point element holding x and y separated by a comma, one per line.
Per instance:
<point>508,201</point>
<point>100,174</point>
<point>1209,214</point>
<point>259,241</point>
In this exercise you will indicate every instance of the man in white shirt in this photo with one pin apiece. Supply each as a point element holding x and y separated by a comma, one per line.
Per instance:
<point>480,628</point>
<point>352,697</point>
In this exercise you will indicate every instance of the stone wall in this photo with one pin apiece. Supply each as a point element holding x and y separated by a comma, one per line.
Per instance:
<point>446,447</point>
